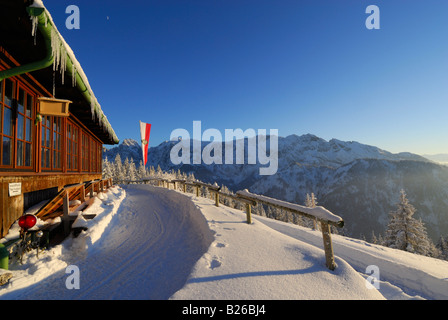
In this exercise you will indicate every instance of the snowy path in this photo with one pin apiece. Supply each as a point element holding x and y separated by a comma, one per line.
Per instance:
<point>146,252</point>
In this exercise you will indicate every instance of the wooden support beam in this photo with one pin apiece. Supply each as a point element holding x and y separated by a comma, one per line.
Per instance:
<point>248,213</point>
<point>83,193</point>
<point>217,199</point>
<point>65,217</point>
<point>328,245</point>
<point>92,189</point>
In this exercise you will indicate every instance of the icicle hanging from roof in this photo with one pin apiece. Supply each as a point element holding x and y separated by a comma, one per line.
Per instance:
<point>34,23</point>
<point>59,54</point>
<point>92,107</point>
<point>73,76</point>
<point>62,52</point>
<point>63,61</point>
<point>55,48</point>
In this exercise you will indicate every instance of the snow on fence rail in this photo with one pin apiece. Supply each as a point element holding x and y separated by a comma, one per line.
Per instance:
<point>322,215</point>
<point>319,213</point>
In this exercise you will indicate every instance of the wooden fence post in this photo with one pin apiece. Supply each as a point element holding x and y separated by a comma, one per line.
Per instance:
<point>92,190</point>
<point>217,199</point>
<point>83,193</point>
<point>328,246</point>
<point>65,218</point>
<point>248,213</point>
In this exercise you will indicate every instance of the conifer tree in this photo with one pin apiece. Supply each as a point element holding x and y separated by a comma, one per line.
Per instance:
<point>107,169</point>
<point>311,202</point>
<point>126,168</point>
<point>260,210</point>
<point>404,232</point>
<point>442,246</point>
<point>374,239</point>
<point>131,170</point>
<point>119,174</point>
<point>141,172</point>
<point>152,172</point>
<point>159,172</point>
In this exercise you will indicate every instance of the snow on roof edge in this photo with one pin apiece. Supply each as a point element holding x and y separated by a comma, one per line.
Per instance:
<point>95,105</point>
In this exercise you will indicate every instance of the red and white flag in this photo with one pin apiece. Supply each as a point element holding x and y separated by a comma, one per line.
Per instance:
<point>145,129</point>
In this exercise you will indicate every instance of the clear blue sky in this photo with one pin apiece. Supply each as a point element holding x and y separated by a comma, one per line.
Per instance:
<point>297,66</point>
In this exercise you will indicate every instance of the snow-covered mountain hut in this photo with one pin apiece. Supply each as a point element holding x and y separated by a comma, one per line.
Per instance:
<point>52,127</point>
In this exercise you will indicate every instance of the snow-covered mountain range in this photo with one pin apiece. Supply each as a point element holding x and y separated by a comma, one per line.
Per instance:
<point>361,183</point>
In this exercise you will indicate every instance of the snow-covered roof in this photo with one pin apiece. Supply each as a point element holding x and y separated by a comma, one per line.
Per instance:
<point>64,57</point>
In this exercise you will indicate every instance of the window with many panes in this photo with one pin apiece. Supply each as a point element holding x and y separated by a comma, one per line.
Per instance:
<point>46,143</point>
<point>24,129</point>
<point>7,127</point>
<point>16,125</point>
<point>99,159</point>
<point>57,143</point>
<point>92,156</point>
<point>51,148</point>
<point>85,152</point>
<point>72,146</point>
<point>17,131</point>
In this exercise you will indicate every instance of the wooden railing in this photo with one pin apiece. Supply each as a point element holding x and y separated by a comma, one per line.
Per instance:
<point>319,214</point>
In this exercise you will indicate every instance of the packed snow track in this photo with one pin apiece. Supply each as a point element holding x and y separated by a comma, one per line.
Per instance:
<point>147,251</point>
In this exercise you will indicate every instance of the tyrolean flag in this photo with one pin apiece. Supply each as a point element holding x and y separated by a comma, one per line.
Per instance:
<point>145,129</point>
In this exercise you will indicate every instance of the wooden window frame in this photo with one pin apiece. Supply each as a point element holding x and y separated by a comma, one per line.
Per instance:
<point>85,147</point>
<point>45,136</point>
<point>87,154</point>
<point>16,115</point>
<point>4,106</point>
<point>73,146</point>
<point>31,128</point>
<point>55,149</point>
<point>92,156</point>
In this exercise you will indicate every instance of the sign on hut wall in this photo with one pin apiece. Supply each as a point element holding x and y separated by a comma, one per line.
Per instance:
<point>15,189</point>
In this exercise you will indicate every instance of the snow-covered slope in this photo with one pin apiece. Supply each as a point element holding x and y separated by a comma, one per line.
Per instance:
<point>312,150</point>
<point>256,262</point>
<point>153,243</point>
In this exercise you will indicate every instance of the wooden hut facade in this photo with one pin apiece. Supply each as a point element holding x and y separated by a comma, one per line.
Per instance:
<point>52,128</point>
